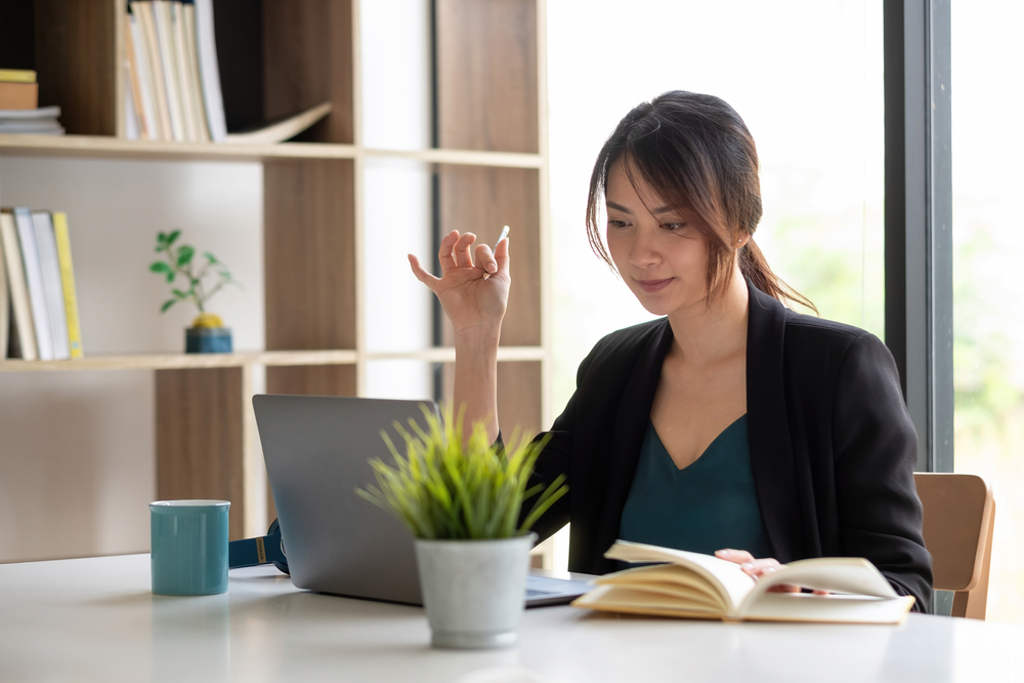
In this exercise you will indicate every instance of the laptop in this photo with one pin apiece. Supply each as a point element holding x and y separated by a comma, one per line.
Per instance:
<point>316,450</point>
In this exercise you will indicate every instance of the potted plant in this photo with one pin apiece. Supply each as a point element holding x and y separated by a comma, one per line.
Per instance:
<point>207,334</point>
<point>461,501</point>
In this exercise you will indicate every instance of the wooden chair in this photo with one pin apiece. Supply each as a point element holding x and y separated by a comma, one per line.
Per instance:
<point>959,512</point>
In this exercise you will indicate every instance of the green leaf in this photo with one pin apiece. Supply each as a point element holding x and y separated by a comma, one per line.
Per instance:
<point>210,257</point>
<point>168,304</point>
<point>180,294</point>
<point>170,277</point>
<point>160,267</point>
<point>173,236</point>
<point>185,255</point>
<point>161,237</point>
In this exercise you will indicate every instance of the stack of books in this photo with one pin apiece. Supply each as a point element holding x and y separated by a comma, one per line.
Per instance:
<point>19,102</point>
<point>173,82</point>
<point>172,79</point>
<point>38,305</point>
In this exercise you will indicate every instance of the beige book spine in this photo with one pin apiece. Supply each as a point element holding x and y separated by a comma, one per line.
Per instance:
<point>192,50</point>
<point>143,10</point>
<point>181,68</point>
<point>19,288</point>
<point>133,75</point>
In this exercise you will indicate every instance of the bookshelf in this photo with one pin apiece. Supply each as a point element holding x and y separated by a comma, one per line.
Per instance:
<point>489,166</point>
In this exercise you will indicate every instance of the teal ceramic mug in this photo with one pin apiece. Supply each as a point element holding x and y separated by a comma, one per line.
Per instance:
<point>189,546</point>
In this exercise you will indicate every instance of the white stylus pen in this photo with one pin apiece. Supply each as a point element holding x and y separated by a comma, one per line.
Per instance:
<point>504,234</point>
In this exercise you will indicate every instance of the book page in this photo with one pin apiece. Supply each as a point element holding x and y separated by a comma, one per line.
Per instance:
<point>728,579</point>
<point>671,580</point>
<point>623,599</point>
<point>848,575</point>
<point>829,609</point>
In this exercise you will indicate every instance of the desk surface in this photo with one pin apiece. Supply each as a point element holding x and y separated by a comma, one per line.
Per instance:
<point>95,619</point>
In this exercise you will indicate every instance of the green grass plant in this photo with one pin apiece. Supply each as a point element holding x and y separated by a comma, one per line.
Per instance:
<point>446,488</point>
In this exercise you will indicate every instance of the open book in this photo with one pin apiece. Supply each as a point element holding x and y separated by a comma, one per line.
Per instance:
<point>705,587</point>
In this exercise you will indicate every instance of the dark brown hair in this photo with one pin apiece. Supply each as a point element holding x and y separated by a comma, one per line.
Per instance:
<point>697,154</point>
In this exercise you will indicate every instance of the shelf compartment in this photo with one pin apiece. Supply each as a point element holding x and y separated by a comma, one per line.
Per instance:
<point>200,438</point>
<point>309,254</point>
<point>487,75</point>
<point>482,200</point>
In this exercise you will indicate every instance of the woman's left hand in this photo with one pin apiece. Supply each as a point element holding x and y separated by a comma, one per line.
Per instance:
<point>759,568</point>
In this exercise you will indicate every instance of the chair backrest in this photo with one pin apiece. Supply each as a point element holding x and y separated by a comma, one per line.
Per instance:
<point>959,513</point>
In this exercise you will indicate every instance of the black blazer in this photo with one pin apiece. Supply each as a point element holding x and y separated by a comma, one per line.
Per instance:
<point>832,447</point>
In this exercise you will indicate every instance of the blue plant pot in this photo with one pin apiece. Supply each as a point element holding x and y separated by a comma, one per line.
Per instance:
<point>208,340</point>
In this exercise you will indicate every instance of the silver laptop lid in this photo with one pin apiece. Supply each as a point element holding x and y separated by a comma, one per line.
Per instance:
<point>317,449</point>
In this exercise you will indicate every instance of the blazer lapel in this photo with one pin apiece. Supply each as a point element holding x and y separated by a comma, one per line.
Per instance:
<point>628,432</point>
<point>771,448</point>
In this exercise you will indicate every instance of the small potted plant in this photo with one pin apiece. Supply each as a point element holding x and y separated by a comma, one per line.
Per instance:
<point>461,501</point>
<point>207,334</point>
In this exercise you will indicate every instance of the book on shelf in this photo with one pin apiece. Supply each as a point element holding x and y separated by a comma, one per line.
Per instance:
<point>164,67</point>
<point>41,121</point>
<point>17,76</point>
<point>22,338</point>
<point>67,279</point>
<point>35,248</point>
<point>162,21</point>
<point>18,89</point>
<point>281,130</point>
<point>18,96</point>
<point>191,65</point>
<point>694,585</point>
<point>209,70</point>
<point>53,290</point>
<point>154,75</point>
<point>34,280</point>
<point>138,104</point>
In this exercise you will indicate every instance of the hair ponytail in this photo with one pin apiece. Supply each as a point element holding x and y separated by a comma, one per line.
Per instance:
<point>755,267</point>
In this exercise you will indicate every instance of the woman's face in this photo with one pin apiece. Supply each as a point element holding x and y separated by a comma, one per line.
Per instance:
<point>658,250</point>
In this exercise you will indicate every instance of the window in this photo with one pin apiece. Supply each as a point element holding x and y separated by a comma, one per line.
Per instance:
<point>988,349</point>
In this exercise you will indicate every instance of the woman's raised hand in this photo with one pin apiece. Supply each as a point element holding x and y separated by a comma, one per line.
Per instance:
<point>473,287</point>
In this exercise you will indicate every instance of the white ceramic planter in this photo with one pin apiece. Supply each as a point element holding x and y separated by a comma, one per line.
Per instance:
<point>474,591</point>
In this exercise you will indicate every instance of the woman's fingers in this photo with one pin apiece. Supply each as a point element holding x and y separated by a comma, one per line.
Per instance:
<point>737,556</point>
<point>445,252</point>
<point>485,259</point>
<point>423,276</point>
<point>463,257</point>
<point>746,561</point>
<point>784,588</point>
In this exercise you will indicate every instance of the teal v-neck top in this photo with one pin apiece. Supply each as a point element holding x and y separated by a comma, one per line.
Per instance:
<point>709,505</point>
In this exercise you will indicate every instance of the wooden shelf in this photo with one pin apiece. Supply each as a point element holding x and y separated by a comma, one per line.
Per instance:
<point>182,361</point>
<point>107,147</point>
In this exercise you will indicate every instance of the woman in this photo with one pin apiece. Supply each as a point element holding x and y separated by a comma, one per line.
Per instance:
<point>731,424</point>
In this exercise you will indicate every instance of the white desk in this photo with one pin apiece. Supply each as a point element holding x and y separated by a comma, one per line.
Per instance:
<point>96,619</point>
